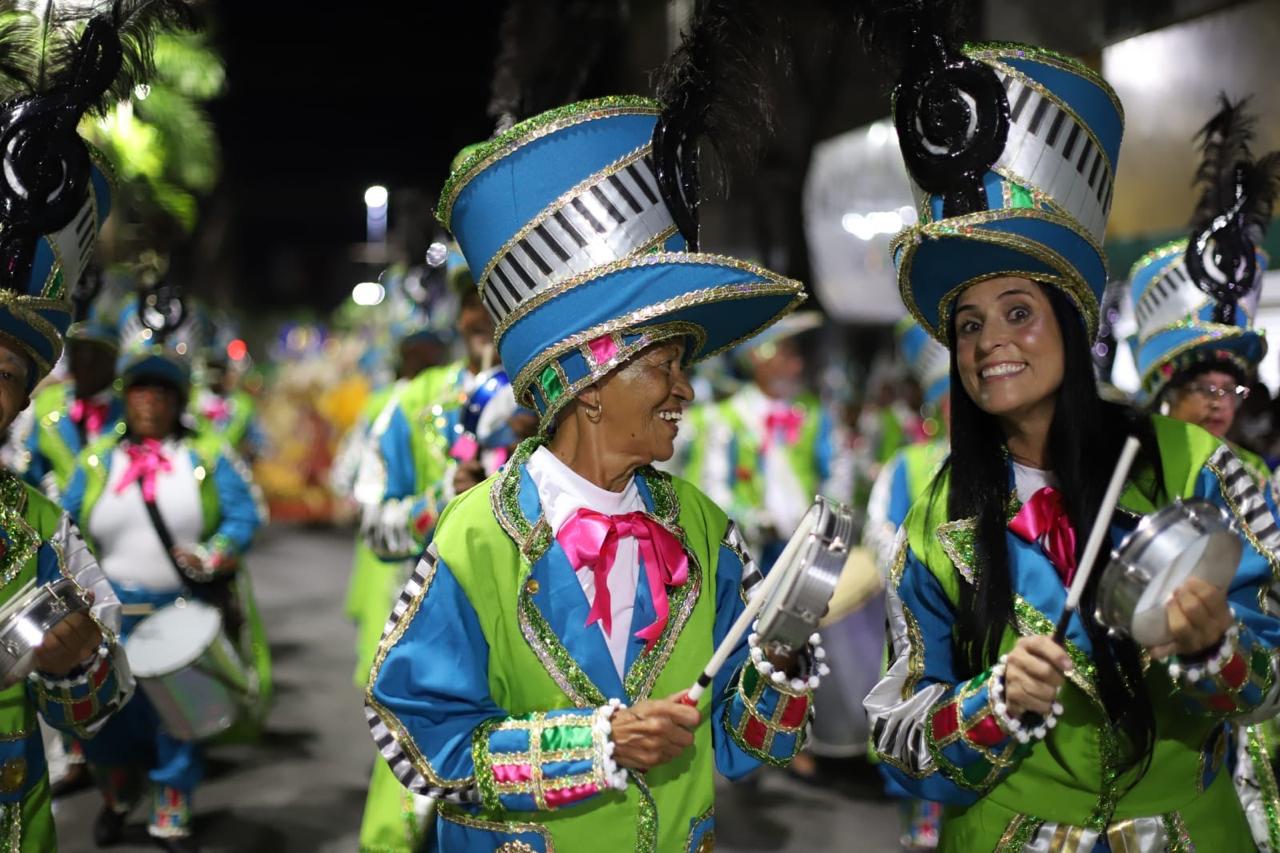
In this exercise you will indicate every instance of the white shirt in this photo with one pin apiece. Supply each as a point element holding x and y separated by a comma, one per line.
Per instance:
<point>129,549</point>
<point>562,492</point>
<point>785,500</point>
<point>1027,480</point>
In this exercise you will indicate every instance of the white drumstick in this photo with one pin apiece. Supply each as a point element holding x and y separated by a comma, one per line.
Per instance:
<point>1098,533</point>
<point>754,604</point>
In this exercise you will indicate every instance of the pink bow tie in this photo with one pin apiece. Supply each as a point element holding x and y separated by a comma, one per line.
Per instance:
<point>89,414</point>
<point>1043,519</point>
<point>146,460</point>
<point>788,421</point>
<point>217,409</point>
<point>590,539</point>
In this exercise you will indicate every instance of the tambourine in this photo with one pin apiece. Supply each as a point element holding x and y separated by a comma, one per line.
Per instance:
<point>27,617</point>
<point>1191,538</point>
<point>810,567</point>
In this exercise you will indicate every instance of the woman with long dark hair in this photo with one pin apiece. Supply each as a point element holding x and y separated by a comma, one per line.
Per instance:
<point>1096,744</point>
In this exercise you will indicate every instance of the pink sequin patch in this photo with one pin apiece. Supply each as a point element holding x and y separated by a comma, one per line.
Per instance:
<point>465,448</point>
<point>603,348</point>
<point>509,773</point>
<point>564,796</point>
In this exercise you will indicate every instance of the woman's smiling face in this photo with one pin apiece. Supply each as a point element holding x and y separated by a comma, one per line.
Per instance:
<point>642,402</point>
<point>1008,346</point>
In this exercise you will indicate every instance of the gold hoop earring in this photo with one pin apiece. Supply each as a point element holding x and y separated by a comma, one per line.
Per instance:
<point>595,414</point>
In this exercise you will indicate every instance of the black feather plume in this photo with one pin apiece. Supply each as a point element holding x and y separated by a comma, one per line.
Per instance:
<point>890,30</point>
<point>716,88</point>
<point>1228,172</point>
<point>547,50</point>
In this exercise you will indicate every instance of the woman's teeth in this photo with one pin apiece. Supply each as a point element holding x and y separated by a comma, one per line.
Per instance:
<point>1007,369</point>
<point>674,417</point>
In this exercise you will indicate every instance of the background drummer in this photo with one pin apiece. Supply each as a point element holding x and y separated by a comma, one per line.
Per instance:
<point>203,494</point>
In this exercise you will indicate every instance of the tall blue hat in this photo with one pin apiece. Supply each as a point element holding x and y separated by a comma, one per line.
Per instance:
<point>1012,156</point>
<point>162,333</point>
<point>61,62</point>
<point>97,303</point>
<point>1195,299</point>
<point>573,246</point>
<point>928,361</point>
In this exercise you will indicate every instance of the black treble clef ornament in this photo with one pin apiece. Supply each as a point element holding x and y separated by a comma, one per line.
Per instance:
<point>952,118</point>
<point>1221,258</point>
<point>162,309</point>
<point>46,166</point>
<point>675,151</point>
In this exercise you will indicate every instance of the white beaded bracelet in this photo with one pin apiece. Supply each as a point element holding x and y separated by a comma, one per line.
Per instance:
<point>817,654</point>
<point>1012,725</point>
<point>615,777</point>
<point>1191,673</point>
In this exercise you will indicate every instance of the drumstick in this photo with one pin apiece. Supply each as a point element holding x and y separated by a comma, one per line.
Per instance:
<point>1096,535</point>
<point>730,641</point>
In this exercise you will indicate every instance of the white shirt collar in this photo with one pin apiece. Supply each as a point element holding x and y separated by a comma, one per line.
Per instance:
<point>563,491</point>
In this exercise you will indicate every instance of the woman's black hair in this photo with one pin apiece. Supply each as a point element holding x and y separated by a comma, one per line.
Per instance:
<point>1085,439</point>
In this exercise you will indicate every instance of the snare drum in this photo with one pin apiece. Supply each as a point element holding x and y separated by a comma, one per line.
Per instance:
<point>1192,538</point>
<point>811,563</point>
<point>27,617</point>
<point>189,670</point>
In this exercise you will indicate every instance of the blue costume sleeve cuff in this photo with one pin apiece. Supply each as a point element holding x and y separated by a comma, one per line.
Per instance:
<point>544,761</point>
<point>87,695</point>
<point>1232,679</point>
<point>770,712</point>
<point>970,739</point>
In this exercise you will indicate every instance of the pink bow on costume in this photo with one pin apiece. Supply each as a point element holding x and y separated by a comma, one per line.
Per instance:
<point>146,460</point>
<point>590,539</point>
<point>216,409</point>
<point>1043,519</point>
<point>787,420</point>
<point>89,414</point>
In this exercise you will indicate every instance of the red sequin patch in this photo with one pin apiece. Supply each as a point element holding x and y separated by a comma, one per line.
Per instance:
<point>793,714</point>
<point>946,720</point>
<point>986,733</point>
<point>1235,672</point>
<point>754,733</point>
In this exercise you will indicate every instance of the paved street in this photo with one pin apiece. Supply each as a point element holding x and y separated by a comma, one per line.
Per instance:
<point>302,791</point>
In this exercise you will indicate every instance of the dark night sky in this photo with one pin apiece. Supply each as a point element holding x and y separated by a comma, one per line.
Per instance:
<point>323,100</point>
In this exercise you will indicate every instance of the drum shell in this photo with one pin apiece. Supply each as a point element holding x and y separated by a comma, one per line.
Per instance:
<point>1157,543</point>
<point>203,698</point>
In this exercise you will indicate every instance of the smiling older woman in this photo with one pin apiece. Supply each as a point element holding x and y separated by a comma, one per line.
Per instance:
<point>1004,268</point>
<point>531,670</point>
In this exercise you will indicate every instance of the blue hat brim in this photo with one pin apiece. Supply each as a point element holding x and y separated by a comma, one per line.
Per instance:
<point>96,333</point>
<point>160,366</point>
<point>937,261</point>
<point>1170,351</point>
<point>716,301</point>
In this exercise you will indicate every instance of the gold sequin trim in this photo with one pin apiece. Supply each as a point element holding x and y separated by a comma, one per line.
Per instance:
<point>452,814</point>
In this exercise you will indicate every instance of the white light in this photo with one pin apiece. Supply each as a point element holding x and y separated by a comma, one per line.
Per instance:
<point>908,214</point>
<point>878,133</point>
<point>368,293</point>
<point>865,226</point>
<point>1140,62</point>
<point>375,196</point>
<point>141,91</point>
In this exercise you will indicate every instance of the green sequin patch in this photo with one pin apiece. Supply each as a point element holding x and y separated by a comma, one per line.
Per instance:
<point>1020,196</point>
<point>483,760</point>
<point>552,386</point>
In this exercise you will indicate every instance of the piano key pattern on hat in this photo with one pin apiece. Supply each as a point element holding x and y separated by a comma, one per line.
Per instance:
<point>614,214</point>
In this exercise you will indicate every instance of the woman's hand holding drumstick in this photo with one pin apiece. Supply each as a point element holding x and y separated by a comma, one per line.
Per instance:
<point>1033,671</point>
